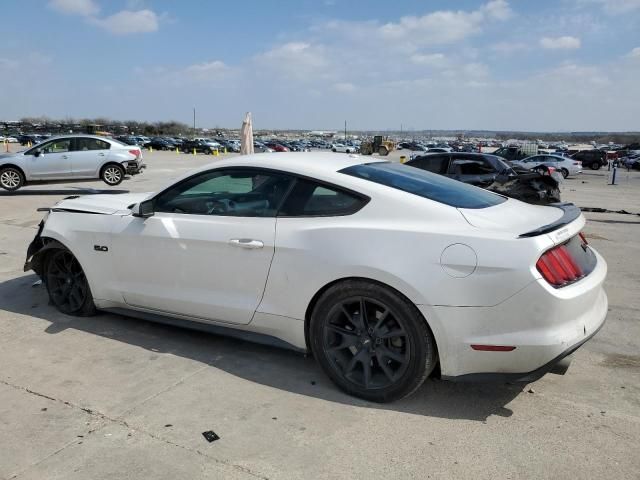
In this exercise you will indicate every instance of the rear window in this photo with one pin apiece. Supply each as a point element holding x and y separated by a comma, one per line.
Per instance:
<point>425,184</point>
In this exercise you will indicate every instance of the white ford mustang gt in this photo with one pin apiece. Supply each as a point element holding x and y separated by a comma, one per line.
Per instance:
<point>381,270</point>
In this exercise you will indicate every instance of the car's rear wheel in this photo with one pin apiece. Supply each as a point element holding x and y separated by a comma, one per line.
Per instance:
<point>371,341</point>
<point>595,166</point>
<point>11,178</point>
<point>565,172</point>
<point>67,284</point>
<point>112,174</point>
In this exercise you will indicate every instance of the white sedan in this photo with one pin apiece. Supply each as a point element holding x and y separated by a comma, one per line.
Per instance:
<point>565,165</point>
<point>341,148</point>
<point>73,157</point>
<point>381,270</point>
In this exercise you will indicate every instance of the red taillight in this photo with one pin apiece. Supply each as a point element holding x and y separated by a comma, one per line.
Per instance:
<point>558,267</point>
<point>135,152</point>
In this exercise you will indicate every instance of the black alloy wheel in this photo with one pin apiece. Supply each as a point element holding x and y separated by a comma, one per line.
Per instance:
<point>367,343</point>
<point>67,284</point>
<point>372,342</point>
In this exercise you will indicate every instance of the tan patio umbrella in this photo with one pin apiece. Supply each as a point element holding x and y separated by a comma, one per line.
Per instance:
<point>246,136</point>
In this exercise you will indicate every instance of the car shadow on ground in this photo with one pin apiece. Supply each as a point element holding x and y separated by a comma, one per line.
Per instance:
<point>60,191</point>
<point>271,366</point>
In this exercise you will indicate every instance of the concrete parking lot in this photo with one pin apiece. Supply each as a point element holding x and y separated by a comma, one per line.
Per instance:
<point>114,397</point>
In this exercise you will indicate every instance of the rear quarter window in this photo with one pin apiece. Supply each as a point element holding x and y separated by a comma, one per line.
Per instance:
<point>425,184</point>
<point>312,199</point>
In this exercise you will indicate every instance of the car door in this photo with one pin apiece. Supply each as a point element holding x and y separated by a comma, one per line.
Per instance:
<point>206,251</point>
<point>87,156</point>
<point>50,160</point>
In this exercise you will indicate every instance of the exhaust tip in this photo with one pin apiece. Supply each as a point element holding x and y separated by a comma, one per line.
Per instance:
<point>562,366</point>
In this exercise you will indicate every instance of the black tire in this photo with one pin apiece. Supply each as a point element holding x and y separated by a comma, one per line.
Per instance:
<point>383,151</point>
<point>207,152</point>
<point>67,284</point>
<point>595,166</point>
<point>565,172</point>
<point>382,360</point>
<point>11,178</point>
<point>112,174</point>
<point>333,150</point>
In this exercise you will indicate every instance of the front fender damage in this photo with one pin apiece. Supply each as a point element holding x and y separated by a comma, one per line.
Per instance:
<point>36,250</point>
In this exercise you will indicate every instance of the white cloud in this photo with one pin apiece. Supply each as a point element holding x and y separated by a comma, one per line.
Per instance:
<point>344,87</point>
<point>126,22</point>
<point>84,8</point>
<point>635,53</point>
<point>560,43</point>
<point>435,60</point>
<point>300,60</point>
<point>207,70</point>
<point>498,9</point>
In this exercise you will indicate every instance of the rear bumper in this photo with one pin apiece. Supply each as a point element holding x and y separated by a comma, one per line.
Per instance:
<point>557,365</point>
<point>135,169</point>
<point>544,325</point>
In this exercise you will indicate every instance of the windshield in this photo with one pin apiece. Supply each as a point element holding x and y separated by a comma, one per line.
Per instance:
<point>425,184</point>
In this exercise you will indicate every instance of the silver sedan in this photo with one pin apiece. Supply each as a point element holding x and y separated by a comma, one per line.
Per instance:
<point>566,166</point>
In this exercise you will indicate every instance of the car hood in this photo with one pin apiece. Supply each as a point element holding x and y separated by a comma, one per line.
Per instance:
<point>105,204</point>
<point>512,216</point>
<point>7,155</point>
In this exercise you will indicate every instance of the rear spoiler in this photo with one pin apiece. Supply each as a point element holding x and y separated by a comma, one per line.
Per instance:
<point>570,213</point>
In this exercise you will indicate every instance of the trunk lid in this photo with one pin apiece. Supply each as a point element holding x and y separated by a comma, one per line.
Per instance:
<point>560,221</point>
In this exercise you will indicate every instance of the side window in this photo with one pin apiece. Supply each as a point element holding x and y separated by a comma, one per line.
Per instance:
<point>85,144</point>
<point>57,146</point>
<point>435,164</point>
<point>308,198</point>
<point>477,166</point>
<point>236,193</point>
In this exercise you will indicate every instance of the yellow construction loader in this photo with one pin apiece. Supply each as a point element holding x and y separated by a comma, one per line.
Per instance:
<point>379,145</point>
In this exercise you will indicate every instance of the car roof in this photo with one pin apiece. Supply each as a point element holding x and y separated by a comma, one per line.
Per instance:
<point>322,165</point>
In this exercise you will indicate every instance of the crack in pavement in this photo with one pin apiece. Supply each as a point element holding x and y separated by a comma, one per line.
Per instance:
<point>123,423</point>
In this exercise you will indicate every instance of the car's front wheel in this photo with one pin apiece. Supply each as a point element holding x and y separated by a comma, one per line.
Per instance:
<point>67,284</point>
<point>371,341</point>
<point>112,174</point>
<point>595,166</point>
<point>11,178</point>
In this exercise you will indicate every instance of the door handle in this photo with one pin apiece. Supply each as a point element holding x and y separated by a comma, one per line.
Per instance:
<point>101,154</point>
<point>246,243</point>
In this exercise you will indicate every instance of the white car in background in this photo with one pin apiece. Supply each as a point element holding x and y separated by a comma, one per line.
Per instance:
<point>71,157</point>
<point>341,148</point>
<point>381,270</point>
<point>565,165</point>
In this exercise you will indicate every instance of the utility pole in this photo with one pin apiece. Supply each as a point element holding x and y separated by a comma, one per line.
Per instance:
<point>345,130</point>
<point>194,122</point>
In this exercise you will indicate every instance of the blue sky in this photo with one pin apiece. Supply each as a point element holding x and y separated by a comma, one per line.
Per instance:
<point>563,65</point>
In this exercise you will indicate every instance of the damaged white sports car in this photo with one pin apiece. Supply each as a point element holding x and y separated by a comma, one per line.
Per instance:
<point>383,271</point>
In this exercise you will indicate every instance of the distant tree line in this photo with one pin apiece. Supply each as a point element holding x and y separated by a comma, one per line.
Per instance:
<point>46,124</point>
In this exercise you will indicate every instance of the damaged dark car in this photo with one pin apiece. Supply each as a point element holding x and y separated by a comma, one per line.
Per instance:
<point>495,174</point>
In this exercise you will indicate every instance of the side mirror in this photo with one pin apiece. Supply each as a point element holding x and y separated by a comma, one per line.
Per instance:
<point>37,152</point>
<point>143,209</point>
